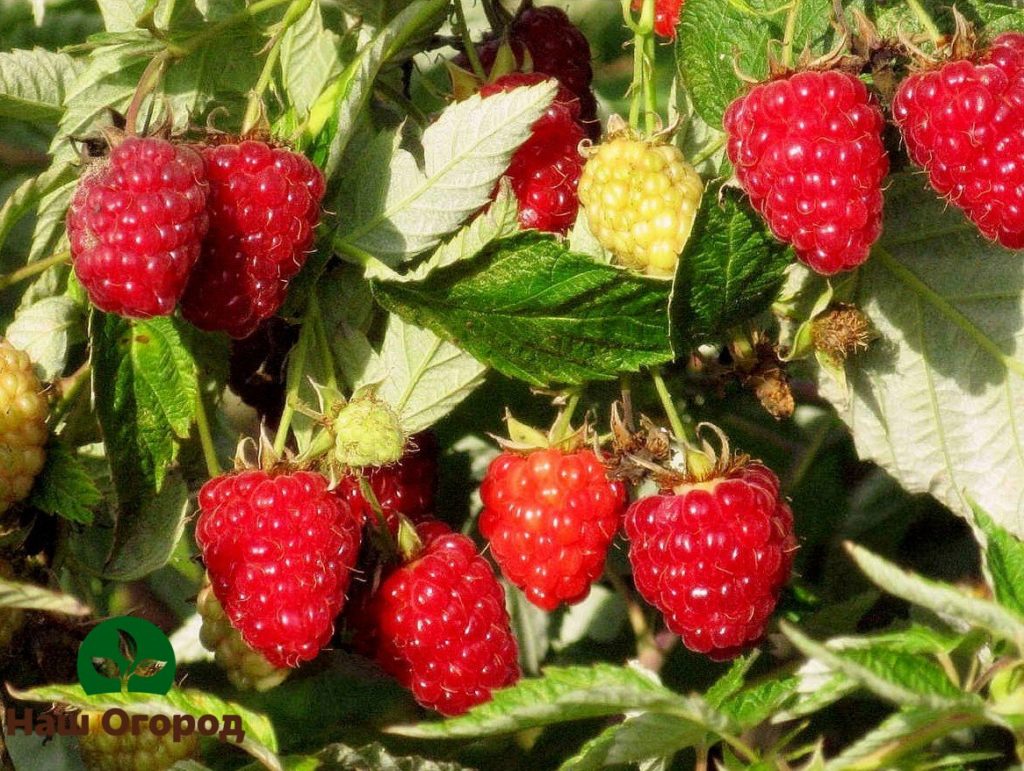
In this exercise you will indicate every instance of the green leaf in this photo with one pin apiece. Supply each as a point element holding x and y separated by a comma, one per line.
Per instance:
<point>937,398</point>
<point>339,109</point>
<point>941,598</point>
<point>563,694</point>
<point>1004,562</point>
<point>309,59</point>
<point>887,745</point>
<point>28,195</point>
<point>499,221</point>
<point>422,376</point>
<point>144,539</point>
<point>719,37</point>
<point>33,84</point>
<point>338,757</point>
<point>636,739</point>
<point>752,706</point>
<point>538,313</point>
<point>730,271</point>
<point>146,389</point>
<point>905,679</point>
<point>416,203</point>
<point>14,594</point>
<point>600,617</point>
<point>529,627</point>
<point>64,487</point>
<point>45,330</point>
<point>260,741</point>
<point>731,682</point>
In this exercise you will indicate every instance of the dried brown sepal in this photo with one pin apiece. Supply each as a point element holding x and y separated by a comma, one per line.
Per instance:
<point>760,368</point>
<point>636,454</point>
<point>841,331</point>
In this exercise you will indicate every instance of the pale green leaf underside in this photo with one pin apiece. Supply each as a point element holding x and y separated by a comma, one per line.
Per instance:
<point>412,207</point>
<point>938,400</point>
<point>33,83</point>
<point>260,740</point>
<point>14,594</point>
<point>422,376</point>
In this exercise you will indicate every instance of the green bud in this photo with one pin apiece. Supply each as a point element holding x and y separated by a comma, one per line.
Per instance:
<point>367,433</point>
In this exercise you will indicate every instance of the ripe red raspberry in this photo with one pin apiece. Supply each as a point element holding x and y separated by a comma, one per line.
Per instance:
<point>556,47</point>
<point>438,625</point>
<point>264,207</point>
<point>279,549</point>
<point>807,149</point>
<point>549,517</point>
<point>407,487</point>
<point>545,170</point>
<point>135,224</point>
<point>713,556</point>
<point>963,123</point>
<point>666,16</point>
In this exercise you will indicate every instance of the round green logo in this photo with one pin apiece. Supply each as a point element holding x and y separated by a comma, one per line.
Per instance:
<point>126,654</point>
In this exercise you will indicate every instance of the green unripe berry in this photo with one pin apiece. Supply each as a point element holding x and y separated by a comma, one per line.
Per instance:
<point>367,433</point>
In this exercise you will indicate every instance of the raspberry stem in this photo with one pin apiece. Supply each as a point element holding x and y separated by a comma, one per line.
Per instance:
<point>296,373</point>
<point>254,107</point>
<point>206,439</point>
<point>147,84</point>
<point>787,40</point>
<point>678,428</point>
<point>463,31</point>
<point>33,269</point>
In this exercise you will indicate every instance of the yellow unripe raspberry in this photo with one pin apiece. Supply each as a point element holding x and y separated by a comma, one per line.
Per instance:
<point>23,411</point>
<point>641,198</point>
<point>248,670</point>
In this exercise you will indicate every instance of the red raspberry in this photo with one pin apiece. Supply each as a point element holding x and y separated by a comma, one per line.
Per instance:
<point>557,48</point>
<point>279,550</point>
<point>807,149</point>
<point>545,170</point>
<point>439,625</point>
<point>713,557</point>
<point>549,517</point>
<point>135,224</point>
<point>264,208</point>
<point>666,16</point>
<point>407,487</point>
<point>963,123</point>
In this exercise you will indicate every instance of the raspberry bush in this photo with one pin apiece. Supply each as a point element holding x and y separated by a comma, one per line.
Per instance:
<point>275,276</point>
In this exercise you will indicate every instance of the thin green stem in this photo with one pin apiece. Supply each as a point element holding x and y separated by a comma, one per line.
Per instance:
<point>147,83</point>
<point>254,107</point>
<point>708,151</point>
<point>33,269</point>
<point>926,21</point>
<point>313,316</point>
<point>561,426</point>
<point>650,85</point>
<point>462,29</point>
<point>741,747</point>
<point>206,438</point>
<point>72,388</point>
<point>297,368</point>
<point>669,406</point>
<point>787,40</point>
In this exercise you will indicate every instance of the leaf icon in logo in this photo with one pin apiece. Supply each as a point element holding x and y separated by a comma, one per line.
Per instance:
<point>106,667</point>
<point>126,654</point>
<point>148,667</point>
<point>129,646</point>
